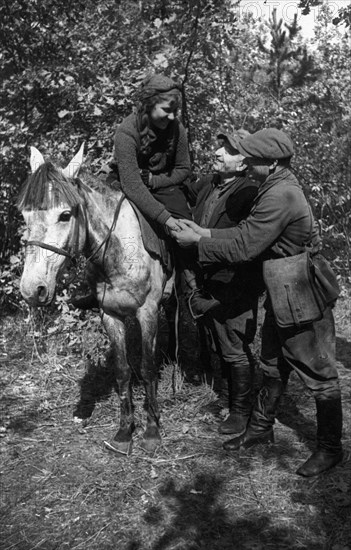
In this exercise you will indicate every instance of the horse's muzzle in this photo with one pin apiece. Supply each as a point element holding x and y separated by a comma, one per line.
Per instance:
<point>37,296</point>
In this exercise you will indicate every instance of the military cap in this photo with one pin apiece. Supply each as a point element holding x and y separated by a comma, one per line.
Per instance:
<point>233,137</point>
<point>269,143</point>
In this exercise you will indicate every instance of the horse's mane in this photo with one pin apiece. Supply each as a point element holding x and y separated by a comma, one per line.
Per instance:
<point>47,188</point>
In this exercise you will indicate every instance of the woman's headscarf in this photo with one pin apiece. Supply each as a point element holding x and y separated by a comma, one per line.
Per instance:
<point>153,86</point>
<point>156,84</point>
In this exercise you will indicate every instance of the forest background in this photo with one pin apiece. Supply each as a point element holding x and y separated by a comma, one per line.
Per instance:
<point>70,70</point>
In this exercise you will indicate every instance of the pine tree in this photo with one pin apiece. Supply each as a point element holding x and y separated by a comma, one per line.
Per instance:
<point>289,65</point>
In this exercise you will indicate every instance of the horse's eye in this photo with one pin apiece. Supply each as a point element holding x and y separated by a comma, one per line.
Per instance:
<point>65,216</point>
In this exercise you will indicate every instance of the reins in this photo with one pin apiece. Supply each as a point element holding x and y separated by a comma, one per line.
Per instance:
<point>113,225</point>
<point>50,247</point>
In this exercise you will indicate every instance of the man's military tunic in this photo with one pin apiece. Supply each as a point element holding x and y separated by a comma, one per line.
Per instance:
<point>280,224</point>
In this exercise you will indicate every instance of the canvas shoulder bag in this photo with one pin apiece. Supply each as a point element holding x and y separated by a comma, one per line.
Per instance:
<point>292,291</point>
<point>326,280</point>
<point>295,287</point>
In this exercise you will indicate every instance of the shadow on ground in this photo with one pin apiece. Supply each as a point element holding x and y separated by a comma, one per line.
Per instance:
<point>197,521</point>
<point>330,496</point>
<point>96,385</point>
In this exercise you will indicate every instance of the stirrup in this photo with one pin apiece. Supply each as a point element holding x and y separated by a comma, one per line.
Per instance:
<point>215,304</point>
<point>194,316</point>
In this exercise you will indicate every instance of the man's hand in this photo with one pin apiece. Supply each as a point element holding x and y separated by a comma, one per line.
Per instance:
<point>186,236</point>
<point>173,225</point>
<point>202,231</point>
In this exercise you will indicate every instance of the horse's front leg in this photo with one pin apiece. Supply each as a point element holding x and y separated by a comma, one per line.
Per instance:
<point>117,333</point>
<point>148,319</point>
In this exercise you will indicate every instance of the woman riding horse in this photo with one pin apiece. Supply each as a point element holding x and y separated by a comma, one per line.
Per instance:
<point>151,163</point>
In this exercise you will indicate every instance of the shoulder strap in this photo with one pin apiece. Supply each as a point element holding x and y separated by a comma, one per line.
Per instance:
<point>308,243</point>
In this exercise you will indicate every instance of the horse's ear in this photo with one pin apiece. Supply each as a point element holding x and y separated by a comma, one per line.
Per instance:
<point>36,159</point>
<point>73,167</point>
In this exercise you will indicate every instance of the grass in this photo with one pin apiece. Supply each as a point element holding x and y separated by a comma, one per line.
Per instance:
<point>60,487</point>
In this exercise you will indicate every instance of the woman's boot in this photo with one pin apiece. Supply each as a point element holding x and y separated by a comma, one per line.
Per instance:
<point>88,301</point>
<point>198,302</point>
<point>329,428</point>
<point>240,388</point>
<point>260,427</point>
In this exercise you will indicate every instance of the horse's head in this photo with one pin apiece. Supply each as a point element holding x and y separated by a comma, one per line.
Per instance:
<point>50,203</point>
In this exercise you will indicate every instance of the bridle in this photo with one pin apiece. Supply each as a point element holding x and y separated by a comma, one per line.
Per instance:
<point>75,237</point>
<point>50,247</point>
<point>59,250</point>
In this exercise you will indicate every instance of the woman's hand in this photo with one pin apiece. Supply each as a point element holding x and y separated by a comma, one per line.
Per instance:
<point>173,225</point>
<point>202,231</point>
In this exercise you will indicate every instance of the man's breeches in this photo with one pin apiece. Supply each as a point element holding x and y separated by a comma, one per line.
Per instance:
<point>310,351</point>
<point>235,329</point>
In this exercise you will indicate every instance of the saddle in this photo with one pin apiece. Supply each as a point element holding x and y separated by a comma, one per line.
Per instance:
<point>156,244</point>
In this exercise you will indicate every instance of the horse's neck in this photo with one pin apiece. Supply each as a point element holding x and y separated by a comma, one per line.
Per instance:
<point>102,211</point>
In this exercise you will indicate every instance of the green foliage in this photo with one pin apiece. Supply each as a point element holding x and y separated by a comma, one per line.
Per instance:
<point>344,12</point>
<point>10,297</point>
<point>306,5</point>
<point>289,64</point>
<point>344,16</point>
<point>70,71</point>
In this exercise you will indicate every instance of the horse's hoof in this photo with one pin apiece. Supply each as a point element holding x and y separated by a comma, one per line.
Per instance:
<point>150,445</point>
<point>84,410</point>
<point>151,440</point>
<point>123,448</point>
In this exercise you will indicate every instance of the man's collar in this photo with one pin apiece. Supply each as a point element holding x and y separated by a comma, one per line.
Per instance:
<point>273,178</point>
<point>227,182</point>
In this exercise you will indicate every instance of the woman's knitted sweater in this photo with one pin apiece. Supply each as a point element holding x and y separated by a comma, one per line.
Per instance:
<point>169,166</point>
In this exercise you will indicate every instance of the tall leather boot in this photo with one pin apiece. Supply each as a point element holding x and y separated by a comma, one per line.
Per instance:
<point>260,427</point>
<point>240,387</point>
<point>329,428</point>
<point>223,392</point>
<point>89,301</point>
<point>198,302</point>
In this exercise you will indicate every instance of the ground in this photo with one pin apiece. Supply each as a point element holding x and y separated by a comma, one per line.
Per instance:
<point>61,488</point>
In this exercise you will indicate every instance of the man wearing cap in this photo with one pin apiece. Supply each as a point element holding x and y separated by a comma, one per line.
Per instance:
<point>222,199</point>
<point>280,225</point>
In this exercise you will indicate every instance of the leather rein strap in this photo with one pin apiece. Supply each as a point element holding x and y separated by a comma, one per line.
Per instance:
<point>55,249</point>
<point>113,225</point>
<point>63,252</point>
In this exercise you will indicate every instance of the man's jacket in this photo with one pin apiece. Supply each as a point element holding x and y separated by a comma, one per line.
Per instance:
<point>222,209</point>
<point>280,224</point>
